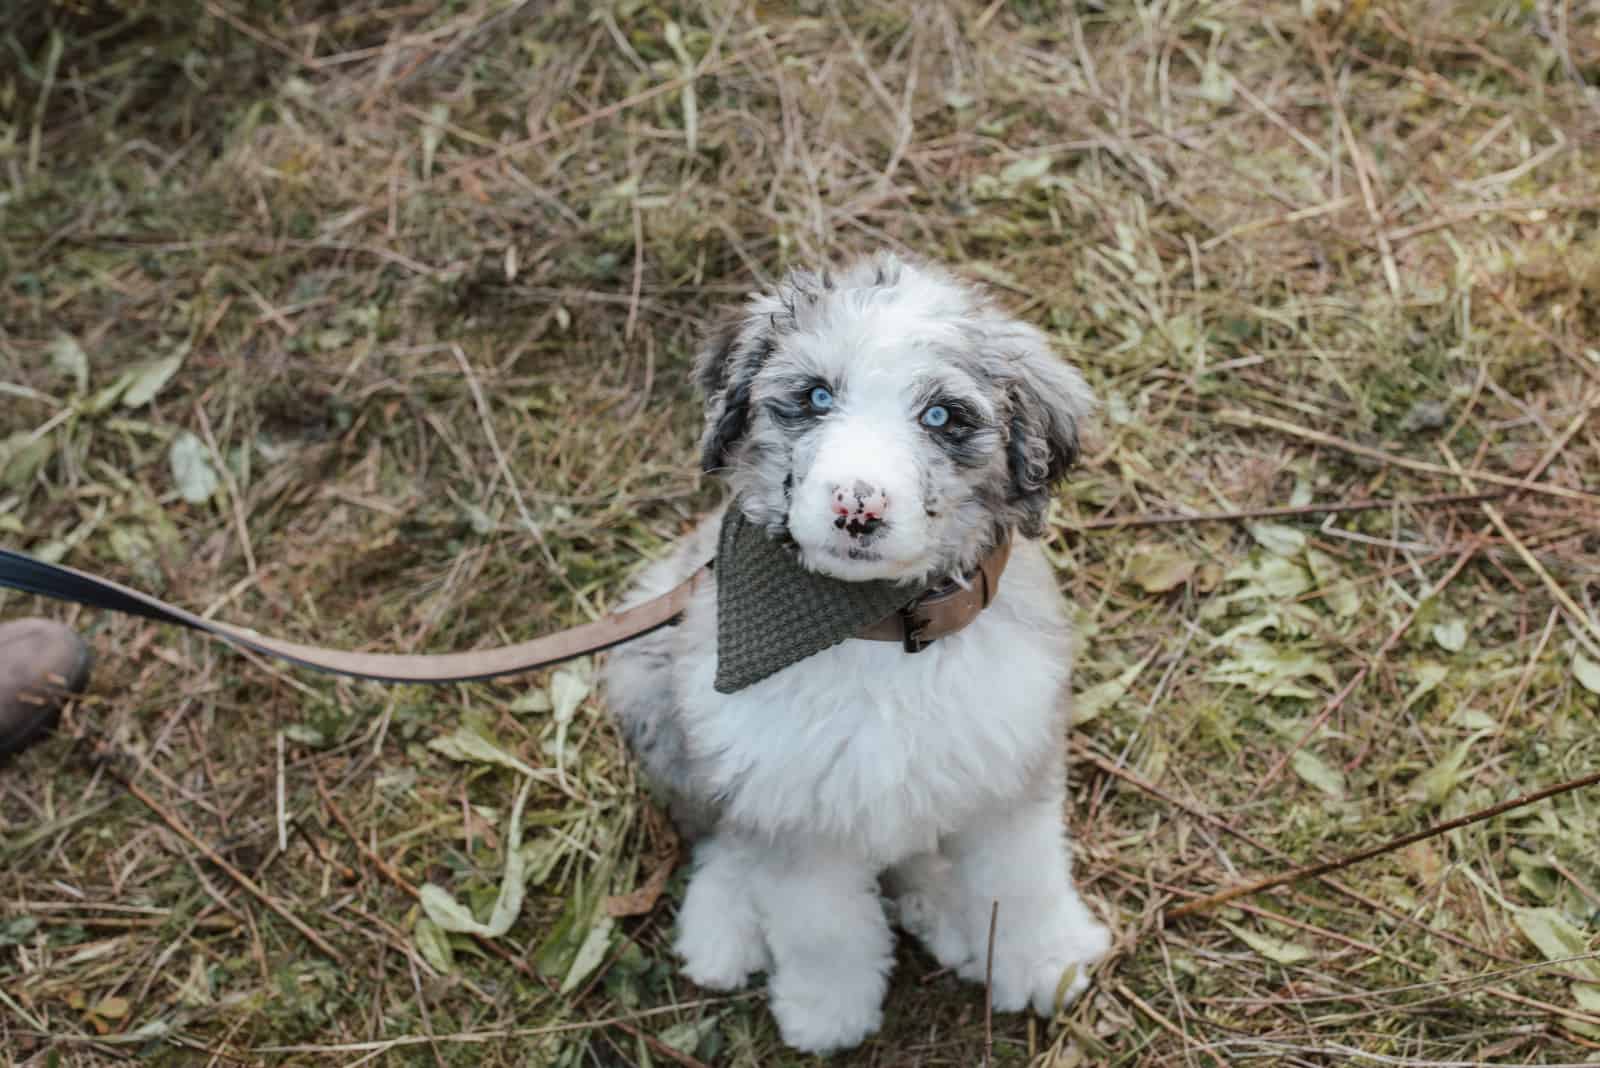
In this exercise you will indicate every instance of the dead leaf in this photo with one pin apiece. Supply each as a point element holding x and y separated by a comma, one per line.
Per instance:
<point>146,381</point>
<point>686,1037</point>
<point>1318,772</point>
<point>1435,784</point>
<point>643,900</point>
<point>1027,169</point>
<point>433,130</point>
<point>68,358</point>
<point>1278,539</point>
<point>1159,569</point>
<point>450,915</point>
<point>667,852</point>
<point>1274,949</point>
<point>1096,699</point>
<point>112,1008</point>
<point>1421,860</point>
<point>21,456</point>
<point>1208,577</point>
<point>1451,635</point>
<point>434,945</point>
<point>591,954</point>
<point>1587,672</point>
<point>1271,670</point>
<point>532,701</point>
<point>467,745</point>
<point>568,688</point>
<point>1272,577</point>
<point>1336,590</point>
<point>1557,938</point>
<point>196,479</point>
<point>1429,676</point>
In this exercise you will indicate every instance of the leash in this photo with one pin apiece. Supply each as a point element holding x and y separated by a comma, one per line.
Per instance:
<point>938,612</point>
<point>21,572</point>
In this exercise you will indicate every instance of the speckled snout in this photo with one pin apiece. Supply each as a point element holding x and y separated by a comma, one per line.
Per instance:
<point>859,509</point>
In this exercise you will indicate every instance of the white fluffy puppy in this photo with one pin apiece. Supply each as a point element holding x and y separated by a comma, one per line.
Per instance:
<point>884,423</point>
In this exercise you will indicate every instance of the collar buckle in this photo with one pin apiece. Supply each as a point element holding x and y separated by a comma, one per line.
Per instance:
<point>945,608</point>
<point>912,626</point>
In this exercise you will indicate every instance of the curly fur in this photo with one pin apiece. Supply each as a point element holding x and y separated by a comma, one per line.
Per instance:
<point>937,778</point>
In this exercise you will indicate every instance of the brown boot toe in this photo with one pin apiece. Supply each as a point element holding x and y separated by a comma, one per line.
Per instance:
<point>42,663</point>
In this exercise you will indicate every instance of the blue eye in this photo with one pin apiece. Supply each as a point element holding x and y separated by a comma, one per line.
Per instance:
<point>936,416</point>
<point>821,399</point>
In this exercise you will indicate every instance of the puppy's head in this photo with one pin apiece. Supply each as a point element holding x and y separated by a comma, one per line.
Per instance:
<point>887,419</point>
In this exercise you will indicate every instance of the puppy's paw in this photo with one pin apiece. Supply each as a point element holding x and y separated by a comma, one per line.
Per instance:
<point>920,914</point>
<point>1047,977</point>
<point>720,958</point>
<point>719,935</point>
<point>821,1014</point>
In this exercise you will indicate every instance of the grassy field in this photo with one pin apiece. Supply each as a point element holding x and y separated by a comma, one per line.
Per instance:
<point>367,324</point>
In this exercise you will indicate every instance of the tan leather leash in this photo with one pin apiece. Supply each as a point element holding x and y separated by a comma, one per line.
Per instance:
<point>941,611</point>
<point>21,572</point>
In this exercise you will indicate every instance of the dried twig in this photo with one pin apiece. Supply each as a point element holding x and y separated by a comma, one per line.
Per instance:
<point>1165,1024</point>
<point>1438,500</point>
<point>373,858</point>
<point>638,273</point>
<point>171,820</point>
<point>1562,597</point>
<point>1311,871</point>
<point>1118,772</point>
<point>988,987</point>
<point>1255,420</point>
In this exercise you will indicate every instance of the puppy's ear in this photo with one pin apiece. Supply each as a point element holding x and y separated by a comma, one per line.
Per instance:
<point>724,370</point>
<point>1047,400</point>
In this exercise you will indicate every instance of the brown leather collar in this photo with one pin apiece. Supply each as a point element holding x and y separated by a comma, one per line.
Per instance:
<point>944,609</point>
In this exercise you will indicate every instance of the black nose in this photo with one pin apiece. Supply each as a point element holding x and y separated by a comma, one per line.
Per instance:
<point>858,526</point>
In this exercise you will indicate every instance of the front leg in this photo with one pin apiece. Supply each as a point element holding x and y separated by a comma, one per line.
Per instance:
<point>831,945</point>
<point>719,929</point>
<point>1042,929</point>
<point>928,903</point>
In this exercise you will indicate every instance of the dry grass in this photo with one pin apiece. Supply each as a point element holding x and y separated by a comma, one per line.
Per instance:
<point>1305,253</point>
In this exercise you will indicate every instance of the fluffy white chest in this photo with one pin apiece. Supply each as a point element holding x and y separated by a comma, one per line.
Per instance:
<point>869,745</point>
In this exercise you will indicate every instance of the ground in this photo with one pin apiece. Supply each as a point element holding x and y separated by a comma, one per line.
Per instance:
<point>368,323</point>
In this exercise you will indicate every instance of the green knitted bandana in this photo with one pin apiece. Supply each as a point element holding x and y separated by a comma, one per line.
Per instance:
<point>772,612</point>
